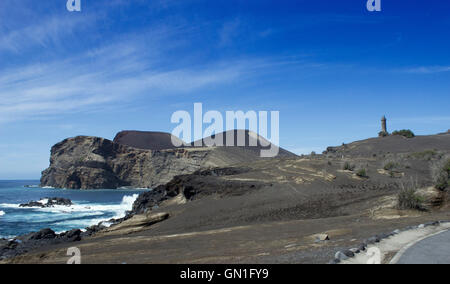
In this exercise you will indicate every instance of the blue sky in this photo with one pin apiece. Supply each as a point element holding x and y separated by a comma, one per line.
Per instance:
<point>331,68</point>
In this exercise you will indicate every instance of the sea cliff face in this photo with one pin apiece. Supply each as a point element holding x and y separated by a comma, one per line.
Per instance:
<point>93,163</point>
<point>136,159</point>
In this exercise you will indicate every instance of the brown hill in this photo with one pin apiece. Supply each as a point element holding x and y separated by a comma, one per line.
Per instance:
<point>393,144</point>
<point>148,140</point>
<point>145,139</point>
<point>250,139</point>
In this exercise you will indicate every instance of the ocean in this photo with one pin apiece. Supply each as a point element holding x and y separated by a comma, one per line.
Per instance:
<point>90,207</point>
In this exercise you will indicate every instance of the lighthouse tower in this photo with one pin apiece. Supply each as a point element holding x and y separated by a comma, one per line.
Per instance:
<point>384,124</point>
<point>384,131</point>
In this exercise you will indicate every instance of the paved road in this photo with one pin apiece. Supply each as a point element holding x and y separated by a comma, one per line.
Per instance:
<point>432,250</point>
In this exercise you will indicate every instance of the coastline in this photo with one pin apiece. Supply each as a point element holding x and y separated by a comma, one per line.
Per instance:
<point>60,215</point>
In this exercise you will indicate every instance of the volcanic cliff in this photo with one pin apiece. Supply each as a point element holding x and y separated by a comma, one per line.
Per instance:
<point>85,162</point>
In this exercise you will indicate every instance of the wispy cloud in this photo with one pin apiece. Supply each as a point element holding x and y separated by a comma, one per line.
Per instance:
<point>229,31</point>
<point>49,31</point>
<point>108,75</point>
<point>426,69</point>
<point>114,74</point>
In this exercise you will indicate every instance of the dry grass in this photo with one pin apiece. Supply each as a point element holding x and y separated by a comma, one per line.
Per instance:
<point>440,172</point>
<point>408,198</point>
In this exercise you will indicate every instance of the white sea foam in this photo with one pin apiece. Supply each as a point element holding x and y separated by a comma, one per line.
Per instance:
<point>2,213</point>
<point>81,215</point>
<point>7,205</point>
<point>9,237</point>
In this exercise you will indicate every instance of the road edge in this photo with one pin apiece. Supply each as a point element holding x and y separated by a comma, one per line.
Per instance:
<point>402,251</point>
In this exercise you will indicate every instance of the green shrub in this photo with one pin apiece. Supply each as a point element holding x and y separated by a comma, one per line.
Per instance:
<point>362,173</point>
<point>405,133</point>
<point>348,167</point>
<point>390,165</point>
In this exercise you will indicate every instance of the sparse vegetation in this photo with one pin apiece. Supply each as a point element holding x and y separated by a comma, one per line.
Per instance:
<point>362,173</point>
<point>348,167</point>
<point>425,155</point>
<point>383,134</point>
<point>405,133</point>
<point>441,173</point>
<point>408,198</point>
<point>390,165</point>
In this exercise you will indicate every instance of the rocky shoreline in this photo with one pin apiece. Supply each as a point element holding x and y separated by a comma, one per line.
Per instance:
<point>199,184</point>
<point>25,243</point>
<point>19,245</point>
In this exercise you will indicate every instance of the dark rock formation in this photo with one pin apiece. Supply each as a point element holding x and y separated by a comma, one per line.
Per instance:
<point>42,234</point>
<point>71,236</point>
<point>48,202</point>
<point>195,186</point>
<point>32,241</point>
<point>93,229</point>
<point>95,163</point>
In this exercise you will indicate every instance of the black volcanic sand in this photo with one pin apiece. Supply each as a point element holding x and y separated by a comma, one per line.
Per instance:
<point>145,140</point>
<point>268,211</point>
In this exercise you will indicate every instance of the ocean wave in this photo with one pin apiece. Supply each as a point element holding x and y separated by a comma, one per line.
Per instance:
<point>2,213</point>
<point>8,237</point>
<point>80,212</point>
